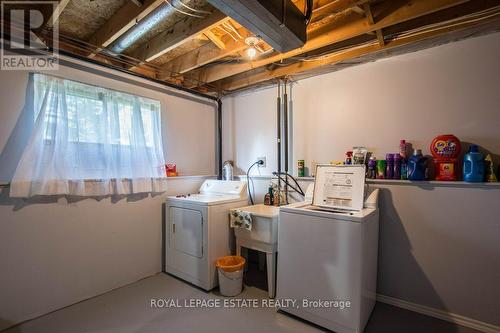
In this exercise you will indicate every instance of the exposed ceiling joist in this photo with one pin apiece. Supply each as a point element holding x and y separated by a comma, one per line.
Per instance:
<point>57,12</point>
<point>333,33</point>
<point>180,33</point>
<point>124,19</point>
<point>324,8</point>
<point>354,52</point>
<point>204,55</point>
<point>215,39</point>
<point>371,20</point>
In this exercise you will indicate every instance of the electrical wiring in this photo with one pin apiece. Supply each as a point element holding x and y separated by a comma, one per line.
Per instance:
<point>230,27</point>
<point>193,9</point>
<point>485,14</point>
<point>183,12</point>
<point>123,59</point>
<point>227,32</point>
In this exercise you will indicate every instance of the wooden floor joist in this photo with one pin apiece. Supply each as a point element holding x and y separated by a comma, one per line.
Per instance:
<point>371,20</point>
<point>329,35</point>
<point>57,12</point>
<point>300,67</point>
<point>215,39</point>
<point>180,33</point>
<point>204,54</point>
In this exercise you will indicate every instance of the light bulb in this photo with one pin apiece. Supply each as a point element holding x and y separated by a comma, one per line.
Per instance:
<point>251,52</point>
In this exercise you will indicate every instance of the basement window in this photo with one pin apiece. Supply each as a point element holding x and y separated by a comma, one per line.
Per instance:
<point>90,141</point>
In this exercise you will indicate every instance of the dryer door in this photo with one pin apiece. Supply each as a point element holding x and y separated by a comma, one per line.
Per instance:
<point>186,241</point>
<point>187,231</point>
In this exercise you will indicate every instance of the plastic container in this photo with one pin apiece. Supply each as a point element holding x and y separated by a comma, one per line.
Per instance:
<point>404,170</point>
<point>445,149</point>
<point>397,167</point>
<point>389,172</point>
<point>227,170</point>
<point>417,166</point>
<point>402,149</point>
<point>301,168</point>
<point>230,270</point>
<point>381,166</point>
<point>171,170</point>
<point>372,166</point>
<point>473,167</point>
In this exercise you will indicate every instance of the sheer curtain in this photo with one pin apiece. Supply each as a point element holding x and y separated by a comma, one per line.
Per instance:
<point>90,141</point>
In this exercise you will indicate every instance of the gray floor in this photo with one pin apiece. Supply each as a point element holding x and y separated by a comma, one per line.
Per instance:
<point>128,309</point>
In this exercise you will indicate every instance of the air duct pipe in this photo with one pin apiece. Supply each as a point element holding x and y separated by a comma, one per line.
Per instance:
<point>135,33</point>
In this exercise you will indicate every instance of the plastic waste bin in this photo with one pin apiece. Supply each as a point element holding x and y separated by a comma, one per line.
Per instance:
<point>230,270</point>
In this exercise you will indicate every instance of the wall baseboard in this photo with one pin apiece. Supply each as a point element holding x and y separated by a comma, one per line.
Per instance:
<point>440,314</point>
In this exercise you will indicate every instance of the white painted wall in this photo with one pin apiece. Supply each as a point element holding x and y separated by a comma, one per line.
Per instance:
<point>54,253</point>
<point>438,245</point>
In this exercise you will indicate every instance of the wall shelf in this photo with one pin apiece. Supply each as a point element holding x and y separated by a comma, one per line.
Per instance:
<point>424,183</point>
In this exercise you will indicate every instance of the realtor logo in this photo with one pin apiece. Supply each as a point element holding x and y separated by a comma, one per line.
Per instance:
<point>23,23</point>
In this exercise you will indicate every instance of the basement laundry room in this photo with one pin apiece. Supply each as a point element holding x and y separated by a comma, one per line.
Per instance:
<point>250,166</point>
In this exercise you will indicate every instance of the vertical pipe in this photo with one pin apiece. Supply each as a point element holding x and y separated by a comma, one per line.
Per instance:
<point>219,138</point>
<point>285,141</point>
<point>278,132</point>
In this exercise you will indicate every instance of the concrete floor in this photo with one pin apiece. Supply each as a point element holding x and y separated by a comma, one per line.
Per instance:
<point>127,309</point>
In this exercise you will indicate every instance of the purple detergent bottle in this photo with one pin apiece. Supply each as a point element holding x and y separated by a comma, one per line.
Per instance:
<point>372,166</point>
<point>389,171</point>
<point>397,167</point>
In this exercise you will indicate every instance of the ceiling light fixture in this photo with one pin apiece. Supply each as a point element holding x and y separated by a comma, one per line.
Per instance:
<point>251,42</point>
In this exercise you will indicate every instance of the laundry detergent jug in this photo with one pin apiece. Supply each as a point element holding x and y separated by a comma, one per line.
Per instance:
<point>417,166</point>
<point>473,166</point>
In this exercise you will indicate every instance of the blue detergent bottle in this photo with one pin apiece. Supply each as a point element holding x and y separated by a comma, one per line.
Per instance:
<point>473,168</point>
<point>417,166</point>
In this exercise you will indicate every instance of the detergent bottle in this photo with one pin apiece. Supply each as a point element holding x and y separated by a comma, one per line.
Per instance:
<point>473,168</point>
<point>417,166</point>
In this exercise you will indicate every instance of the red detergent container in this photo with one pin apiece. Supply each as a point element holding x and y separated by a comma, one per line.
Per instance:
<point>445,149</point>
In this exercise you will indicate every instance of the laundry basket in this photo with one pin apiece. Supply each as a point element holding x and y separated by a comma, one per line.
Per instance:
<point>230,274</point>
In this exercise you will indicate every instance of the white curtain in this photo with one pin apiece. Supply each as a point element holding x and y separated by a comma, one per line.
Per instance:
<point>90,141</point>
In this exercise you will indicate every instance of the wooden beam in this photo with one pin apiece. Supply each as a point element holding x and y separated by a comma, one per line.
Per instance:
<point>358,10</point>
<point>371,20</point>
<point>181,32</point>
<point>299,67</point>
<point>335,7</point>
<point>328,35</point>
<point>204,55</point>
<point>57,12</point>
<point>215,39</point>
<point>124,19</point>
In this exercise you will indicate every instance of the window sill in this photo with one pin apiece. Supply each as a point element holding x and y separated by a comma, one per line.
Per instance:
<point>168,178</point>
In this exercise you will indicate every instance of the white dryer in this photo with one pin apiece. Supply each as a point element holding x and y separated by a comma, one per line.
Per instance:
<point>197,230</point>
<point>329,256</point>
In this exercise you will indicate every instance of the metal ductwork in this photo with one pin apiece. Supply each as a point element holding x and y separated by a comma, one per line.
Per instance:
<point>162,12</point>
<point>278,22</point>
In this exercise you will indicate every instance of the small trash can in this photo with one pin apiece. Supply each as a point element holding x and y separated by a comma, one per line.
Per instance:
<point>230,270</point>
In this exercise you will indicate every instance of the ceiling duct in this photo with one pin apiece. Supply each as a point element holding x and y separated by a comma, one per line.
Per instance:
<point>278,22</point>
<point>162,12</point>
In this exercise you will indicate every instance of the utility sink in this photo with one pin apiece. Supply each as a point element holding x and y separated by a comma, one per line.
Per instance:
<point>264,224</point>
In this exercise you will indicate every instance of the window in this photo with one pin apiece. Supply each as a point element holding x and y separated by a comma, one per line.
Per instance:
<point>90,140</point>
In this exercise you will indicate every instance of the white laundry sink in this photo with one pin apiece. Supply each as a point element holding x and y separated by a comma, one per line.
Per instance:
<point>264,224</point>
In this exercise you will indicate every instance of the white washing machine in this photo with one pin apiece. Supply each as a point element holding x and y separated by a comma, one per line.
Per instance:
<point>329,256</point>
<point>197,230</point>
